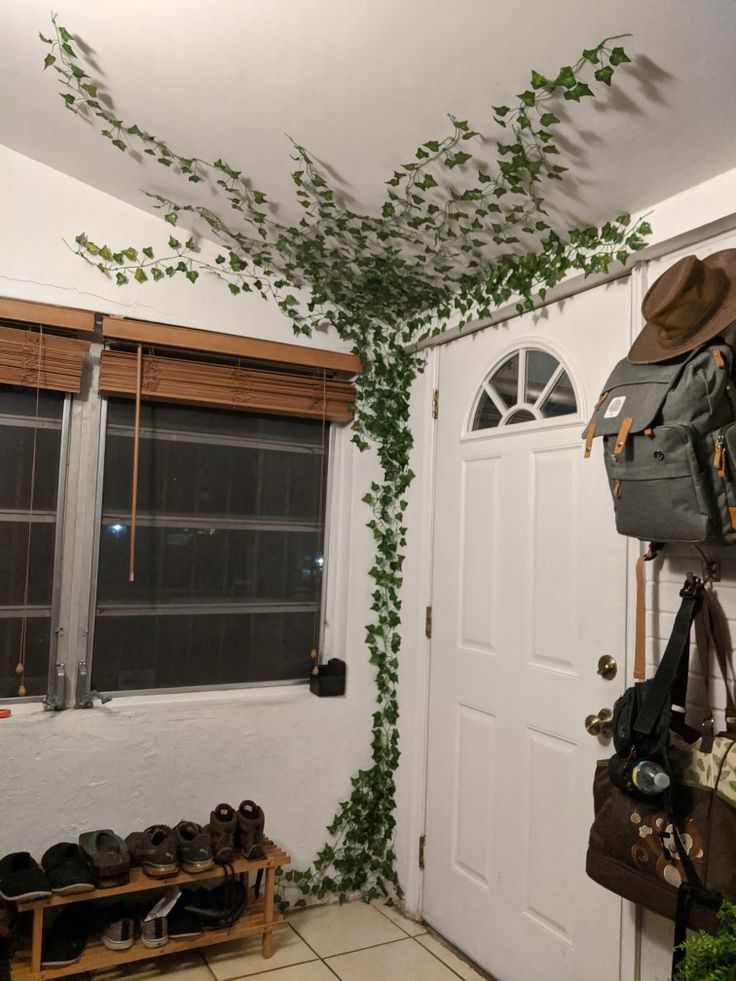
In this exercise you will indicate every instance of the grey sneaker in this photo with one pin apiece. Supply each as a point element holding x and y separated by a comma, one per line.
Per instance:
<point>155,850</point>
<point>250,830</point>
<point>155,932</point>
<point>195,846</point>
<point>223,828</point>
<point>119,934</point>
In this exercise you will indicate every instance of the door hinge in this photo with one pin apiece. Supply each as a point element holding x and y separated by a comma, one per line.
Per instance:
<point>435,402</point>
<point>428,622</point>
<point>422,841</point>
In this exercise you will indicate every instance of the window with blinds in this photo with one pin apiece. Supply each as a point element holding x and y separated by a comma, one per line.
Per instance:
<point>195,539</point>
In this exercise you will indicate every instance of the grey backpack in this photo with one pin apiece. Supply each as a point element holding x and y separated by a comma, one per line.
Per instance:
<point>669,444</point>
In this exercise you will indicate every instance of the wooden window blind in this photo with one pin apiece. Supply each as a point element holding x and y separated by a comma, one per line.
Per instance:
<point>39,359</point>
<point>224,386</point>
<point>62,318</point>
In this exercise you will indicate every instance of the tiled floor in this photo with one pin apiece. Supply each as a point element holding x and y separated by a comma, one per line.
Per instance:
<point>354,942</point>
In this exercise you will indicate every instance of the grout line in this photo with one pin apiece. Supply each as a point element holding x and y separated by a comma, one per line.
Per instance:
<point>385,943</point>
<point>444,963</point>
<point>380,910</point>
<point>451,950</point>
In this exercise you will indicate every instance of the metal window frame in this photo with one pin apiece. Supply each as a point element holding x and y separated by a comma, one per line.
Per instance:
<point>83,674</point>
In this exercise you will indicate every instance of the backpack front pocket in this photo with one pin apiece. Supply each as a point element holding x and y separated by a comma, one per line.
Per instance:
<point>660,492</point>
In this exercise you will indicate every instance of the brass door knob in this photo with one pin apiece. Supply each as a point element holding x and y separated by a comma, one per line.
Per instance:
<point>607,667</point>
<point>600,724</point>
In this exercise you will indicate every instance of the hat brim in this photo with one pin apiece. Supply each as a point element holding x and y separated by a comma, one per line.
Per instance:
<point>648,347</point>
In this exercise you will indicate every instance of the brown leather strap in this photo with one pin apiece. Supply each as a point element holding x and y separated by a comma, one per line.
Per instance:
<point>641,611</point>
<point>623,434</point>
<point>589,435</point>
<point>718,358</point>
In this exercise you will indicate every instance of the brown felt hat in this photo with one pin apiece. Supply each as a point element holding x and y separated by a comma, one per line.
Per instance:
<point>690,303</point>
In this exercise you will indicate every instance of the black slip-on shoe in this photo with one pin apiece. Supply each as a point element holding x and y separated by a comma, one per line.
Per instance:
<point>155,850</point>
<point>66,870</point>
<point>65,942</point>
<point>195,847</point>
<point>107,855</point>
<point>183,924</point>
<point>21,879</point>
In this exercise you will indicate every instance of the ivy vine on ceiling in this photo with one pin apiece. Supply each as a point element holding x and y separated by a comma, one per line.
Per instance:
<point>461,231</point>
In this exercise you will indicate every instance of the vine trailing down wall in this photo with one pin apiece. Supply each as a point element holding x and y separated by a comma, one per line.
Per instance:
<point>456,236</point>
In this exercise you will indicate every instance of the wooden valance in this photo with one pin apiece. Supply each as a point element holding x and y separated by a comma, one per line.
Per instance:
<point>227,387</point>
<point>229,345</point>
<point>63,318</point>
<point>44,360</point>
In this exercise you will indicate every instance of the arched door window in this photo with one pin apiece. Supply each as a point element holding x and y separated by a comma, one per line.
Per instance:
<point>530,385</point>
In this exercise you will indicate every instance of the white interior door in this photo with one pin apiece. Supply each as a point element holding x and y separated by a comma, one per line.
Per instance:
<point>529,590</point>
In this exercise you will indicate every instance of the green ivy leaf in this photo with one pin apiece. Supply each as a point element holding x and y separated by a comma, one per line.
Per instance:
<point>604,75</point>
<point>538,80</point>
<point>566,77</point>
<point>140,275</point>
<point>548,119</point>
<point>172,217</point>
<point>618,57</point>
<point>592,55</point>
<point>48,61</point>
<point>192,275</point>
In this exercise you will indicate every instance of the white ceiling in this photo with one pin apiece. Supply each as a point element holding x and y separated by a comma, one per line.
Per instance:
<point>362,82</point>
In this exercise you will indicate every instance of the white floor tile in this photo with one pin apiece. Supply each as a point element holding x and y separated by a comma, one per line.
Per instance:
<point>314,971</point>
<point>182,967</point>
<point>242,958</point>
<point>401,961</point>
<point>458,965</point>
<point>337,929</point>
<point>408,926</point>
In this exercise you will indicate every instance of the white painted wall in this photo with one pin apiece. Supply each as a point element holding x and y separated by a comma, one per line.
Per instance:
<point>141,760</point>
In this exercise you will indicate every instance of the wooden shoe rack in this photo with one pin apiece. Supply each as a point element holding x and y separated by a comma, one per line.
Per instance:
<point>259,918</point>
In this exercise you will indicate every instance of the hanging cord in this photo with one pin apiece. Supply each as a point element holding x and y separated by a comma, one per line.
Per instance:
<point>314,654</point>
<point>20,668</point>
<point>136,447</point>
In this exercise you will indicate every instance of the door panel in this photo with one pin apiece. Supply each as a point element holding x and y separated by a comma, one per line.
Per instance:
<point>529,589</point>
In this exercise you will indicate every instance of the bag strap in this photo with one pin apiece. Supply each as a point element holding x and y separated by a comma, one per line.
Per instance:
<point>710,635</point>
<point>677,650</point>
<point>641,609</point>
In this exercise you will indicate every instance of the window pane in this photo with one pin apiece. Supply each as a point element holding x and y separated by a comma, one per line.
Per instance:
<point>228,566</point>
<point>38,642</point>
<point>21,415</point>
<point>561,400</point>
<point>521,415</point>
<point>506,381</point>
<point>540,367</point>
<point>180,651</point>
<point>487,415</point>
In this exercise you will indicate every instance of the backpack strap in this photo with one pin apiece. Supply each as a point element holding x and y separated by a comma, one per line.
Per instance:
<point>710,635</point>
<point>669,671</point>
<point>641,610</point>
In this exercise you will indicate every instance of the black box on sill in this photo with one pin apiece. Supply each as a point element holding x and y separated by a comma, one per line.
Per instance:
<point>330,680</point>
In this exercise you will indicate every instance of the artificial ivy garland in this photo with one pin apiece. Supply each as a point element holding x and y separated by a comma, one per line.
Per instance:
<point>455,238</point>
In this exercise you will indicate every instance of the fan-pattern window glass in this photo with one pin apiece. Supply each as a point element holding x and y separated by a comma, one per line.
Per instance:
<point>529,386</point>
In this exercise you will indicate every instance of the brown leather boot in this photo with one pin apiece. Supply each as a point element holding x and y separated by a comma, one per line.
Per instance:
<point>250,830</point>
<point>223,828</point>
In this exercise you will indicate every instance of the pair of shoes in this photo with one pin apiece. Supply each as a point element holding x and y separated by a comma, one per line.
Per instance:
<point>161,850</point>
<point>121,932</point>
<point>107,856</point>
<point>66,939</point>
<point>237,831</point>
<point>21,879</point>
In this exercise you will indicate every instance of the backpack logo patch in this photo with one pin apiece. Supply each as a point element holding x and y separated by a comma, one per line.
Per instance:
<point>615,407</point>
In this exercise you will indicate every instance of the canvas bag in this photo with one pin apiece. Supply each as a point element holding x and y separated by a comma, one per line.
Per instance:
<point>669,440</point>
<point>674,854</point>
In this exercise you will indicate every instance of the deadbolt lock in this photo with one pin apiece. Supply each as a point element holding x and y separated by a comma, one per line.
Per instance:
<point>607,667</point>
<point>600,724</point>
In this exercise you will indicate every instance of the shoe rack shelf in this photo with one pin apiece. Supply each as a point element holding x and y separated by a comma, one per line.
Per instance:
<point>259,918</point>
